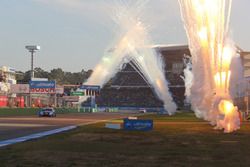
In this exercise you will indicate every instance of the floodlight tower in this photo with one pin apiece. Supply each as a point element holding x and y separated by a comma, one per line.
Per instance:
<point>32,49</point>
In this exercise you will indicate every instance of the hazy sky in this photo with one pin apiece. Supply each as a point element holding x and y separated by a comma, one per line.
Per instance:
<point>74,34</point>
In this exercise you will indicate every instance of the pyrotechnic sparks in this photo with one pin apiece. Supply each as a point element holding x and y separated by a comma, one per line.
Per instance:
<point>133,44</point>
<point>206,23</point>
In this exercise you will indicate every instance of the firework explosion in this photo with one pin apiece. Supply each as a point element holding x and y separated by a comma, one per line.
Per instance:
<point>207,23</point>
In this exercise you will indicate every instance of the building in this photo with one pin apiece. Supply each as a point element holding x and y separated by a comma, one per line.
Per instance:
<point>129,88</point>
<point>7,77</point>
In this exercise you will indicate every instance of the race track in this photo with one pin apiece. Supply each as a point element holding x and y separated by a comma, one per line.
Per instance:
<point>18,126</point>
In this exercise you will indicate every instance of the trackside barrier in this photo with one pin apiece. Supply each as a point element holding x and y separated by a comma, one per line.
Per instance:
<point>66,110</point>
<point>99,109</point>
<point>105,109</point>
<point>74,110</point>
<point>87,110</point>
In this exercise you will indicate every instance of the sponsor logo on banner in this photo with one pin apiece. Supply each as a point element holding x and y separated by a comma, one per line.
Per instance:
<point>43,87</point>
<point>19,88</point>
<point>139,125</point>
<point>42,84</point>
<point>90,87</point>
<point>43,90</point>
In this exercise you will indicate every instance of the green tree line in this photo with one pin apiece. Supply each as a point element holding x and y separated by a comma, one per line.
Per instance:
<point>60,76</point>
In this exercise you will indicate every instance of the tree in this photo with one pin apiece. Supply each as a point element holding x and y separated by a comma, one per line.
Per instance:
<point>26,77</point>
<point>40,73</point>
<point>58,75</point>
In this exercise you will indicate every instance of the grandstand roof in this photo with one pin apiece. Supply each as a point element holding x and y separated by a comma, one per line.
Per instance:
<point>170,47</point>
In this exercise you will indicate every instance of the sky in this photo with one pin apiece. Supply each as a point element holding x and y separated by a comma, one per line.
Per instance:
<point>75,34</point>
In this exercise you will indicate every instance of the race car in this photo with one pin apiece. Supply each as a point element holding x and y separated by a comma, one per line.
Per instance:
<point>50,112</point>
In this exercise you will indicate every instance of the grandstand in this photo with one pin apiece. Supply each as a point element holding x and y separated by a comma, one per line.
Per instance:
<point>129,88</point>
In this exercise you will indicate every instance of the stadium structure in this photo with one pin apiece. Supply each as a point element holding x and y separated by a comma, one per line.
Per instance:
<point>129,88</point>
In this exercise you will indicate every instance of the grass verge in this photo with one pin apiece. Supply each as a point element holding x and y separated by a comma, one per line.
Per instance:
<point>31,111</point>
<point>175,141</point>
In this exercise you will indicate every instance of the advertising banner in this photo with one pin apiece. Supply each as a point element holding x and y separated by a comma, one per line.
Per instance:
<point>43,87</point>
<point>76,93</point>
<point>43,90</point>
<point>138,125</point>
<point>71,98</point>
<point>59,89</point>
<point>42,84</point>
<point>19,88</point>
<point>90,87</point>
<point>3,101</point>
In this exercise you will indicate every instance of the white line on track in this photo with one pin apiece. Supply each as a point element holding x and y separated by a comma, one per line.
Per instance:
<point>35,136</point>
<point>22,125</point>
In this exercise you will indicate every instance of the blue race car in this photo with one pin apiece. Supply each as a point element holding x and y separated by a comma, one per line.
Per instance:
<point>49,112</point>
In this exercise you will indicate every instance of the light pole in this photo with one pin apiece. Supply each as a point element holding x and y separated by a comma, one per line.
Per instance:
<point>32,49</point>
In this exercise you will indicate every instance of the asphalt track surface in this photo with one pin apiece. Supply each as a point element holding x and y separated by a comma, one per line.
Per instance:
<point>18,126</point>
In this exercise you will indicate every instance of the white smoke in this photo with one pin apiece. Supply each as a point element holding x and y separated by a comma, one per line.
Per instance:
<point>133,42</point>
<point>188,78</point>
<point>207,23</point>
